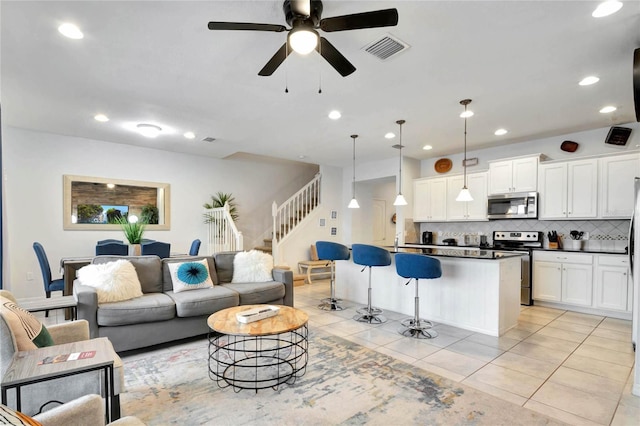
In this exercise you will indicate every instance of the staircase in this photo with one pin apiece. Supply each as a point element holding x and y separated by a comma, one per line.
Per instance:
<point>291,213</point>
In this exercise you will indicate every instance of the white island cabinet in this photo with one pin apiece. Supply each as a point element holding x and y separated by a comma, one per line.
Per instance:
<point>480,295</point>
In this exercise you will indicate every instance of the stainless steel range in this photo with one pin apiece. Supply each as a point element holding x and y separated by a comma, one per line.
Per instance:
<point>523,242</point>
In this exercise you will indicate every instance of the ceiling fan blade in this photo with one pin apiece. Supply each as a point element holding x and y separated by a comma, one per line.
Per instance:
<point>335,58</point>
<point>375,19</point>
<point>275,61</point>
<point>246,26</point>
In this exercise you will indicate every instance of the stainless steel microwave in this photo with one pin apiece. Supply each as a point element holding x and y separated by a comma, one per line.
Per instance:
<point>514,205</point>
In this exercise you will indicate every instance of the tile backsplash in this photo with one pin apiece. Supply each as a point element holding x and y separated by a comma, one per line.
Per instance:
<point>602,234</point>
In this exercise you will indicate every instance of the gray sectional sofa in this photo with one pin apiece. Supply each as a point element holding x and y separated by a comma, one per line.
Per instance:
<point>161,315</point>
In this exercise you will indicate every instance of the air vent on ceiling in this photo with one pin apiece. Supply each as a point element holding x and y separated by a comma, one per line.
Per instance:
<point>386,47</point>
<point>208,139</point>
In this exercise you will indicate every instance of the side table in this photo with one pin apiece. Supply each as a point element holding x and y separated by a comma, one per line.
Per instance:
<point>24,369</point>
<point>50,304</point>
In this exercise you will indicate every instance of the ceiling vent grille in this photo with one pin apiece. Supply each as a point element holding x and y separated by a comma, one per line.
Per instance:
<point>208,139</point>
<point>386,47</point>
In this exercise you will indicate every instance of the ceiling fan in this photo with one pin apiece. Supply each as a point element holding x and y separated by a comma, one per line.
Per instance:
<point>304,17</point>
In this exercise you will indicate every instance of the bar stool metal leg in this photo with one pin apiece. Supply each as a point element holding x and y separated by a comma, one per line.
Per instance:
<point>369,313</point>
<point>417,327</point>
<point>331,303</point>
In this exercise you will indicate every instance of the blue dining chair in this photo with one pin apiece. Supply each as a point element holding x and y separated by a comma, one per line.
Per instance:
<point>158,248</point>
<point>114,249</point>
<point>49,283</point>
<point>195,248</point>
<point>416,266</point>
<point>109,240</point>
<point>331,252</point>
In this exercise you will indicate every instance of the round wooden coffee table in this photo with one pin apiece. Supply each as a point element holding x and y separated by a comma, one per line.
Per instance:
<point>258,355</point>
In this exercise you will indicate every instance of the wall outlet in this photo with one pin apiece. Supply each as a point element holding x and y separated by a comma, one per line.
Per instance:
<point>29,276</point>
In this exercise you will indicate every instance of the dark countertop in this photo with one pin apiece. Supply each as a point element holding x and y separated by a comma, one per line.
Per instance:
<point>443,246</point>
<point>453,251</point>
<point>587,251</point>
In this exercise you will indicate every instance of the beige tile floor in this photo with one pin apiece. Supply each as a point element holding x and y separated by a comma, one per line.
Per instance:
<point>574,367</point>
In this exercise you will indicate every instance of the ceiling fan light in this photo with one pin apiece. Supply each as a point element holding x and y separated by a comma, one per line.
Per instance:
<point>464,195</point>
<point>303,41</point>
<point>353,204</point>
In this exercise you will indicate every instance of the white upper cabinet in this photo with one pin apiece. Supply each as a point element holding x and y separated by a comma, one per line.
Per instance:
<point>568,190</point>
<point>472,210</point>
<point>515,175</point>
<point>616,185</point>
<point>430,200</point>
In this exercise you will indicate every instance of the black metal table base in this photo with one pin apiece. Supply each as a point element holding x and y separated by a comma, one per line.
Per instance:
<point>258,362</point>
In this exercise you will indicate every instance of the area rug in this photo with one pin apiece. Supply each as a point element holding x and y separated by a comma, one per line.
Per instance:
<point>344,384</point>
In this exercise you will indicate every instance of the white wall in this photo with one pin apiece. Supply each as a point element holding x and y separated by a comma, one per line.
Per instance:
<point>35,162</point>
<point>590,143</point>
<point>295,247</point>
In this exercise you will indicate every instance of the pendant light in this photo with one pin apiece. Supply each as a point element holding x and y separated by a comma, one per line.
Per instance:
<point>400,201</point>
<point>464,194</point>
<point>353,204</point>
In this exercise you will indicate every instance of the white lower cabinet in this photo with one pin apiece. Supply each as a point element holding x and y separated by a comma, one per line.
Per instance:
<point>600,282</point>
<point>563,277</point>
<point>613,286</point>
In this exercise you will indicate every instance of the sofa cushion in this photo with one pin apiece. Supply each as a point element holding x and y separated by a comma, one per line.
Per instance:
<point>150,307</point>
<point>167,283</point>
<point>28,331</point>
<point>204,301</point>
<point>190,275</point>
<point>252,267</point>
<point>148,268</point>
<point>256,293</point>
<point>224,266</point>
<point>113,281</point>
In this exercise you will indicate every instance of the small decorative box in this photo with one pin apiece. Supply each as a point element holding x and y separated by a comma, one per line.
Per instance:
<point>255,314</point>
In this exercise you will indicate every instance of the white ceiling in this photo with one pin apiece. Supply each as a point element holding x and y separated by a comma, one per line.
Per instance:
<point>156,62</point>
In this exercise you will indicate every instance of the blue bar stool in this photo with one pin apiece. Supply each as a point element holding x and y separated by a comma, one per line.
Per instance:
<point>370,256</point>
<point>331,252</point>
<point>411,265</point>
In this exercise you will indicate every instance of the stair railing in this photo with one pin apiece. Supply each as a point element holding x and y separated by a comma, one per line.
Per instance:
<point>290,213</point>
<point>223,233</point>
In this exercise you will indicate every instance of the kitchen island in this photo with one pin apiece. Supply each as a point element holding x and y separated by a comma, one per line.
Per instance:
<point>479,289</point>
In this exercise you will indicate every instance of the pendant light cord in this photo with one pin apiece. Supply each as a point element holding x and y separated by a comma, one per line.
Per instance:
<point>353,189</point>
<point>400,122</point>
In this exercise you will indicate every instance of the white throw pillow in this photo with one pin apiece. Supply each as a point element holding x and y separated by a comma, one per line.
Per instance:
<point>113,281</point>
<point>190,275</point>
<point>252,267</point>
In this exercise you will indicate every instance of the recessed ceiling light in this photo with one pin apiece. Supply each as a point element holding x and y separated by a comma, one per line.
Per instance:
<point>335,114</point>
<point>607,109</point>
<point>500,132</point>
<point>587,81</point>
<point>390,135</point>
<point>607,8</point>
<point>148,130</point>
<point>467,113</point>
<point>427,147</point>
<point>189,135</point>
<point>302,157</point>
<point>101,117</point>
<point>71,31</point>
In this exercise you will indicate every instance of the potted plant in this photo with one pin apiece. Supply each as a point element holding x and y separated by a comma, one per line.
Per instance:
<point>133,231</point>
<point>219,200</point>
